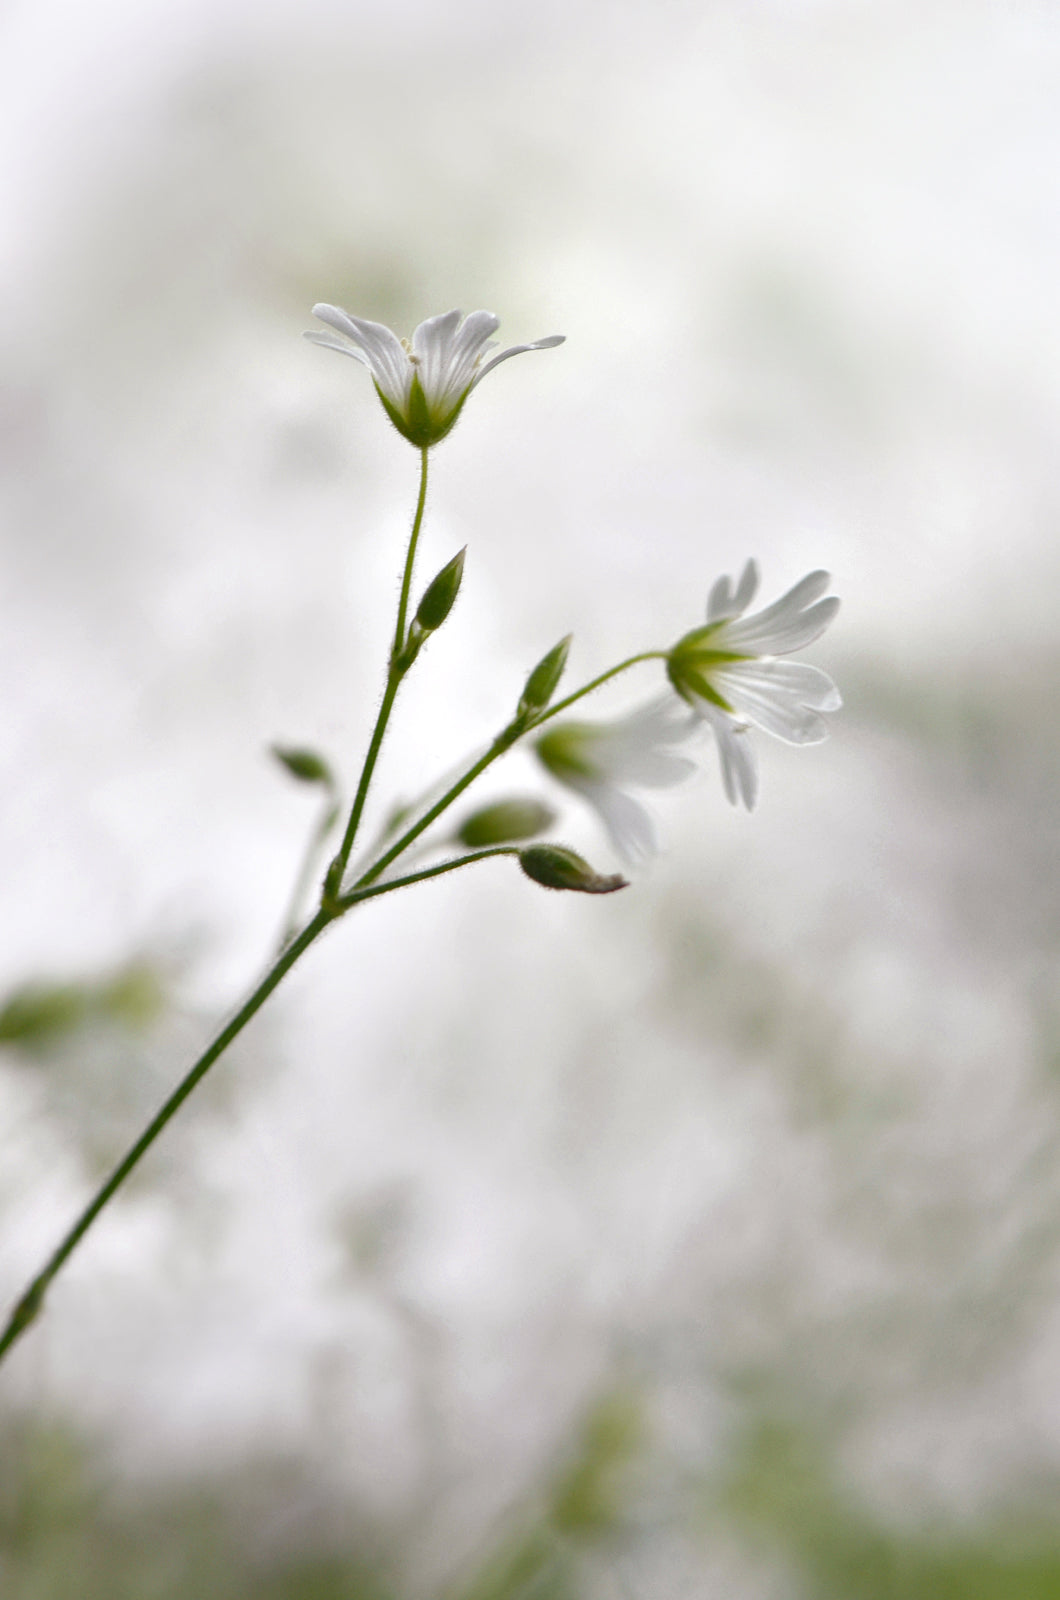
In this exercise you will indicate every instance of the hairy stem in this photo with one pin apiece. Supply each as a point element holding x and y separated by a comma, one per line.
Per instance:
<point>32,1300</point>
<point>356,895</point>
<point>503,742</point>
<point>596,683</point>
<point>395,672</point>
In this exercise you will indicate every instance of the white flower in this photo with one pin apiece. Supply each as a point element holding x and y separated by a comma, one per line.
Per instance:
<point>729,674</point>
<point>422,382</point>
<point>599,759</point>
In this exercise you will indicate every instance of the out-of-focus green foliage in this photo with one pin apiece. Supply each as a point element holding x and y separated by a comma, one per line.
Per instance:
<point>782,1490</point>
<point>37,1015</point>
<point>69,1530</point>
<point>67,1534</point>
<point>584,1501</point>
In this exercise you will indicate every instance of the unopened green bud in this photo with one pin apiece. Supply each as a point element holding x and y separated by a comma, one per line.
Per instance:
<point>305,765</point>
<point>556,867</point>
<point>542,682</point>
<point>440,593</point>
<point>504,822</point>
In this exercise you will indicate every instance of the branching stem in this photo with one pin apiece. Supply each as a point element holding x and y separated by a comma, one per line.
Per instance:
<point>334,905</point>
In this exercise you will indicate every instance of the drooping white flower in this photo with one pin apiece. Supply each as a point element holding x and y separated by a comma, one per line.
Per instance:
<point>729,673</point>
<point>423,381</point>
<point>601,760</point>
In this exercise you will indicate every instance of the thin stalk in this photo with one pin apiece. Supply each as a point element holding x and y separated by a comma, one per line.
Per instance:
<point>612,672</point>
<point>504,741</point>
<point>29,1306</point>
<point>406,581</point>
<point>355,896</point>
<point>31,1302</point>
<point>323,826</point>
<point>395,672</point>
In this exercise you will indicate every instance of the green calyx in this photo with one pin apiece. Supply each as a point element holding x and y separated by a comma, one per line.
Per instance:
<point>418,422</point>
<point>504,822</point>
<point>563,750</point>
<point>692,661</point>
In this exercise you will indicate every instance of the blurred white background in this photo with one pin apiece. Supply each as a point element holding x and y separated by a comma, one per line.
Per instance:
<point>767,1145</point>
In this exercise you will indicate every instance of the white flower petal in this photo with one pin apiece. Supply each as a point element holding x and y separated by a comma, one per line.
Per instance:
<point>340,320</point>
<point>769,636</point>
<point>784,698</point>
<point>468,346</point>
<point>725,602</point>
<point>445,355</point>
<point>773,710</point>
<point>652,769</point>
<point>383,349</point>
<point>550,343</point>
<point>435,332</point>
<point>477,330</point>
<point>432,345</point>
<point>719,601</point>
<point>448,353</point>
<point>635,749</point>
<point>331,341</point>
<point>747,588</point>
<point>809,686</point>
<point>629,824</point>
<point>598,760</point>
<point>739,769</point>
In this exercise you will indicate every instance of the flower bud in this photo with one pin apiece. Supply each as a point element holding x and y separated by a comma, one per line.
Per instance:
<point>542,682</point>
<point>440,594</point>
<point>305,765</point>
<point>504,822</point>
<point>556,867</point>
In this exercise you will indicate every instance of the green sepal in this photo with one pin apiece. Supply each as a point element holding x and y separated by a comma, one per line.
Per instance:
<point>691,683</point>
<point>696,647</point>
<point>556,867</point>
<point>561,750</point>
<point>692,660</point>
<point>418,424</point>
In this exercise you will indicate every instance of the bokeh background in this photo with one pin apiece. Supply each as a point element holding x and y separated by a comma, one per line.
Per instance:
<point>698,1241</point>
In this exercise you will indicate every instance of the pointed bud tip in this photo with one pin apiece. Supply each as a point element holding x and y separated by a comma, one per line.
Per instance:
<point>542,683</point>
<point>556,867</point>
<point>441,593</point>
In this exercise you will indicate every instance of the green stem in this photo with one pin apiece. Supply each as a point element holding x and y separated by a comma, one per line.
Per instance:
<point>503,742</point>
<point>32,1300</point>
<point>612,672</point>
<point>406,581</point>
<point>324,824</point>
<point>395,672</point>
<point>29,1305</point>
<point>356,895</point>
